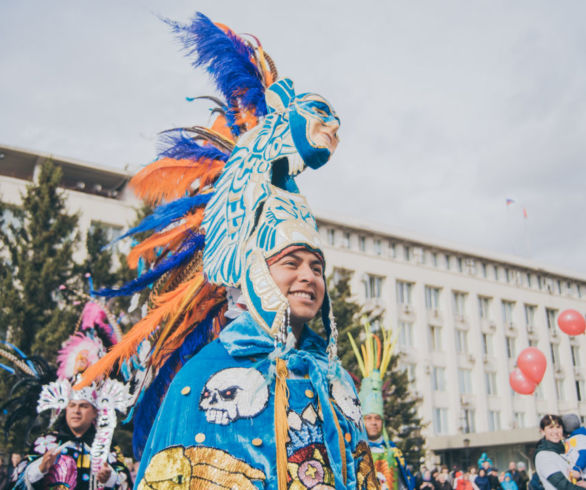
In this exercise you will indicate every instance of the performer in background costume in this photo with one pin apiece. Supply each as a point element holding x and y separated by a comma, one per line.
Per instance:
<point>76,453</point>
<point>235,255</point>
<point>373,360</point>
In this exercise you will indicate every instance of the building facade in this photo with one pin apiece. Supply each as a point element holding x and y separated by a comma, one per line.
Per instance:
<point>97,194</point>
<point>461,316</point>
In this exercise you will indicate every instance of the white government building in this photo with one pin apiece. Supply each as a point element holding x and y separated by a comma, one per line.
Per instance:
<point>461,315</point>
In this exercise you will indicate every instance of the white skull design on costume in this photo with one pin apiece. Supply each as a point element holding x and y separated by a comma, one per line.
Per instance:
<point>232,394</point>
<point>347,401</point>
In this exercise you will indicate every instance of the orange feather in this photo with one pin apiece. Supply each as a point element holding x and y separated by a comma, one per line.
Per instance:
<point>169,178</point>
<point>221,127</point>
<point>378,350</point>
<point>169,239</point>
<point>200,306</point>
<point>166,304</point>
<point>192,291</point>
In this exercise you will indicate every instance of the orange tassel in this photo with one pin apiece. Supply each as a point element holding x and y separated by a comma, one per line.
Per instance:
<point>169,238</point>
<point>281,425</point>
<point>166,304</point>
<point>169,178</point>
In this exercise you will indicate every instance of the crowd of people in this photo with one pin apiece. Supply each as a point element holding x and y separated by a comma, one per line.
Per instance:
<point>483,477</point>
<point>559,460</point>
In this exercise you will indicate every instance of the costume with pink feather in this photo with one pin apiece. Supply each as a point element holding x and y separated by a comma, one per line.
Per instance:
<point>81,458</point>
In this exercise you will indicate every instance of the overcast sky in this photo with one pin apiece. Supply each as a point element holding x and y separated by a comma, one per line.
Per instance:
<point>448,108</point>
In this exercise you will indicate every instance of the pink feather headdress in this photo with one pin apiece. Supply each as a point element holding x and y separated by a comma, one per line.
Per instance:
<point>77,354</point>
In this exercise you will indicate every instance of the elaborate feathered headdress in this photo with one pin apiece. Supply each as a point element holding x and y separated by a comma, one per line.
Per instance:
<point>82,349</point>
<point>373,359</point>
<point>226,200</point>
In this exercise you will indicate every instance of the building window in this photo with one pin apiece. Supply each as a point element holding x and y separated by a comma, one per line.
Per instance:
<point>496,272</point>
<point>331,236</point>
<point>487,347</point>
<point>378,248</point>
<point>434,259</point>
<point>551,314</point>
<point>372,286</point>
<point>491,388</point>
<point>559,389</point>
<point>508,308</point>
<point>346,239</point>
<point>432,296</point>
<point>529,283</point>
<point>510,346</point>
<point>530,315</point>
<point>405,334</point>
<point>459,304</point>
<point>461,341</point>
<point>111,231</point>
<point>555,353</point>
<point>533,342</point>
<point>494,420</point>
<point>407,252</point>
<point>409,368</point>
<point>447,259</point>
<point>435,338</point>
<point>440,420</point>
<point>460,264</point>
<point>484,307</point>
<point>438,378</point>
<point>575,350</point>
<point>519,420</point>
<point>465,381</point>
<point>362,243</point>
<point>484,270</point>
<point>539,394</point>
<point>393,249</point>
<point>579,390</point>
<point>507,274</point>
<point>469,421</point>
<point>404,292</point>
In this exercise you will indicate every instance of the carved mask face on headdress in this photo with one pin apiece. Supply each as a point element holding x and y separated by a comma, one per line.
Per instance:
<point>256,210</point>
<point>314,128</point>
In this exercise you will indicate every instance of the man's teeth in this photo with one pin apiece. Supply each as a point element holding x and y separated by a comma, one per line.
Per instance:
<point>302,295</point>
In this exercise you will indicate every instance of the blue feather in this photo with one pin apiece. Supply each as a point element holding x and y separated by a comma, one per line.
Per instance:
<point>150,400</point>
<point>192,245</point>
<point>8,368</point>
<point>176,144</point>
<point>227,59</point>
<point>164,215</point>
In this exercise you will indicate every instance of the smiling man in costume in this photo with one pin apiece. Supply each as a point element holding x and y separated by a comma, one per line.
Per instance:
<point>236,256</point>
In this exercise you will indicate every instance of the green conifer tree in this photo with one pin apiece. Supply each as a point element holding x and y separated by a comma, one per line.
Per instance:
<point>400,409</point>
<point>38,259</point>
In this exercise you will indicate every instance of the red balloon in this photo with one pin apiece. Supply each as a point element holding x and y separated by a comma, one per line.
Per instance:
<point>571,322</point>
<point>532,363</point>
<point>520,383</point>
